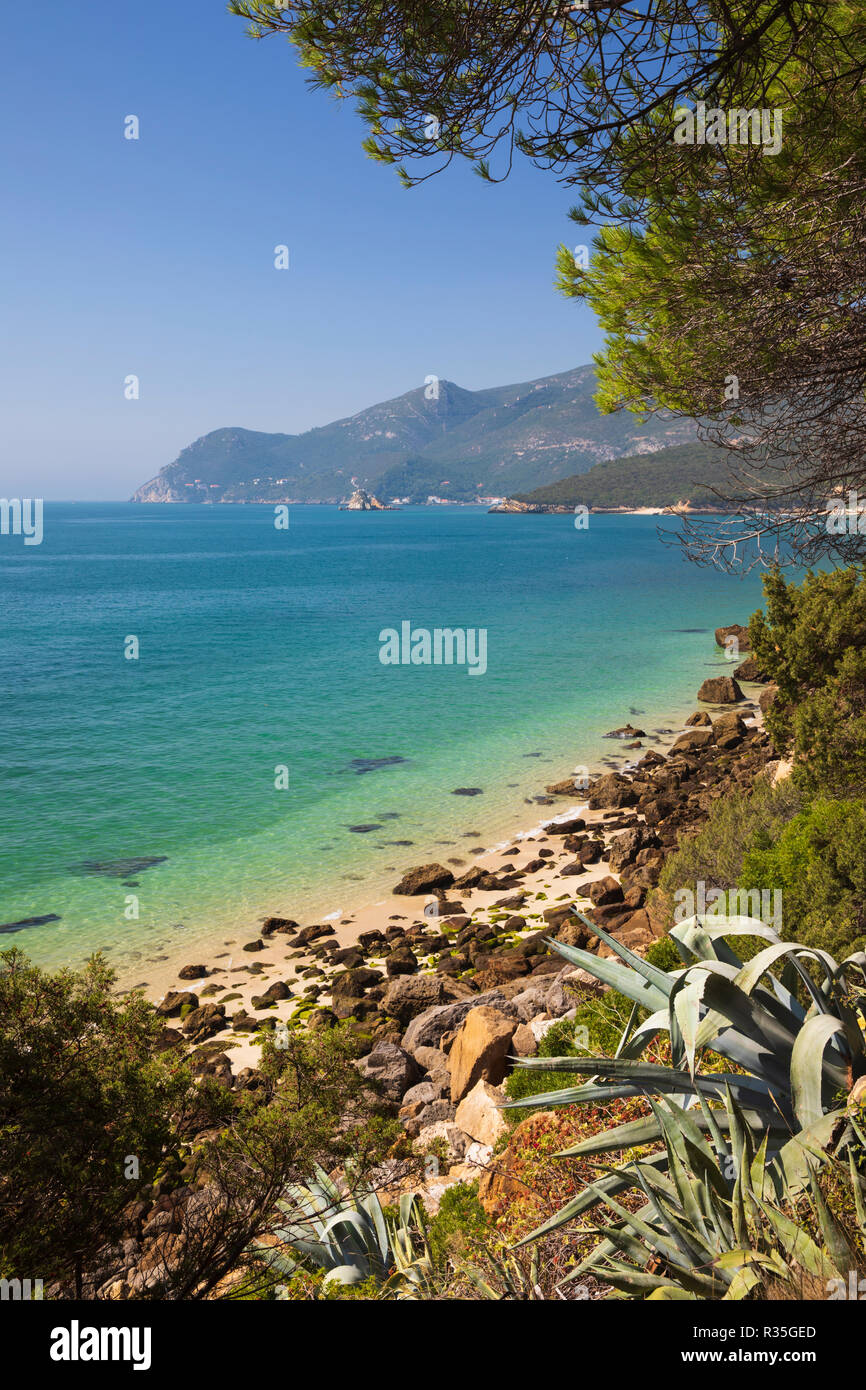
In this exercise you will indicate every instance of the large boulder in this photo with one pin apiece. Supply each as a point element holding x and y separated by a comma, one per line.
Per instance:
<point>694,738</point>
<point>427,1029</point>
<point>749,670</point>
<point>479,1115</point>
<point>602,891</point>
<point>393,1069</point>
<point>571,826</point>
<point>174,1001</point>
<point>720,690</point>
<point>766,698</point>
<point>410,995</point>
<point>734,630</point>
<point>204,1021</point>
<point>354,983</point>
<point>611,793</point>
<point>480,1050</point>
<point>729,729</point>
<point>625,847</point>
<point>424,879</point>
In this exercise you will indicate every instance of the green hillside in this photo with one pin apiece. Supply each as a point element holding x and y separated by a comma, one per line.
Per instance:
<point>443,440</point>
<point>687,472</point>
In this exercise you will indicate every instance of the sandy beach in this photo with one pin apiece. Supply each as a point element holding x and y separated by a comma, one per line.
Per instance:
<point>249,963</point>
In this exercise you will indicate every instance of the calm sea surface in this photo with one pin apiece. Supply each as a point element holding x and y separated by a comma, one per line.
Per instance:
<point>149,784</point>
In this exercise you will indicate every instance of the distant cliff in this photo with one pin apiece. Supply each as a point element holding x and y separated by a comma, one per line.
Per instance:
<point>438,440</point>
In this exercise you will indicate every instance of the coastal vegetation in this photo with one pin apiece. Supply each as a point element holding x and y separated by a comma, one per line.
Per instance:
<point>656,1107</point>
<point>685,473</point>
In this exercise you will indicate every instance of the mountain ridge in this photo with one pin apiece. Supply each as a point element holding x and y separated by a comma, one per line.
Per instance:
<point>439,439</point>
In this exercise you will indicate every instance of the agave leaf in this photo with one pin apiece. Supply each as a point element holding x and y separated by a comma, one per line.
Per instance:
<point>798,1244</point>
<point>811,1074</point>
<point>635,985</point>
<point>838,1248</point>
<point>686,1000</point>
<point>651,973</point>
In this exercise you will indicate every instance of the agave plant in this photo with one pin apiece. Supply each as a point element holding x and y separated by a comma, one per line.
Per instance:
<point>351,1238</point>
<point>707,1228</point>
<point>795,1062</point>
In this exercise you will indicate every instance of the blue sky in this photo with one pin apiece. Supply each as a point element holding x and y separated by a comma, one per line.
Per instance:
<point>156,257</point>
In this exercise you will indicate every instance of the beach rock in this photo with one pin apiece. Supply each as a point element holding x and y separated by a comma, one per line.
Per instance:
<point>625,847</point>
<point>695,721</point>
<point>611,792</point>
<point>321,1019</point>
<point>350,957</point>
<point>410,995</point>
<point>273,994</point>
<point>427,1030</point>
<point>556,916</point>
<point>424,879</point>
<point>257,945</point>
<point>563,827</point>
<point>564,788</point>
<point>354,983</point>
<point>524,1042</point>
<point>730,730</point>
<point>602,891</point>
<point>695,738</point>
<point>417,1098</point>
<point>531,868</point>
<point>403,961</point>
<point>284,925</point>
<point>627,731</point>
<point>734,630</point>
<point>392,1067</point>
<point>204,1021</point>
<point>478,1114</point>
<point>174,1001</point>
<point>720,690</point>
<point>242,1022</point>
<point>573,932</point>
<point>193,972</point>
<point>314,933</point>
<point>480,1050</point>
<point>749,670</point>
<point>766,698</point>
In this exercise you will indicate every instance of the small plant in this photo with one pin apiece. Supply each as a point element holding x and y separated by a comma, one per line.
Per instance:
<point>352,1240</point>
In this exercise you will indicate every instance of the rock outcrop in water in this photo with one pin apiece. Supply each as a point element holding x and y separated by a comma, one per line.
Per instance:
<point>362,501</point>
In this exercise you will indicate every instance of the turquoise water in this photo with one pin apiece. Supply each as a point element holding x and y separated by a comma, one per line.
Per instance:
<point>259,649</point>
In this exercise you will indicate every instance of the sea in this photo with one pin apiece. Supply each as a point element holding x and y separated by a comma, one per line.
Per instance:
<point>199,729</point>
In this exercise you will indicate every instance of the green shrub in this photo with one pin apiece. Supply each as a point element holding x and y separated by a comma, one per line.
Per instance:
<point>714,856</point>
<point>460,1224</point>
<point>818,862</point>
<point>812,643</point>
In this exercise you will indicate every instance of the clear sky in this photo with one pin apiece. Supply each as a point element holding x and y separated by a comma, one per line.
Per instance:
<point>156,257</point>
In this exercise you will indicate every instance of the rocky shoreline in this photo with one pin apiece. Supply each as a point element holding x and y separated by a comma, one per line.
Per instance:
<point>456,978</point>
